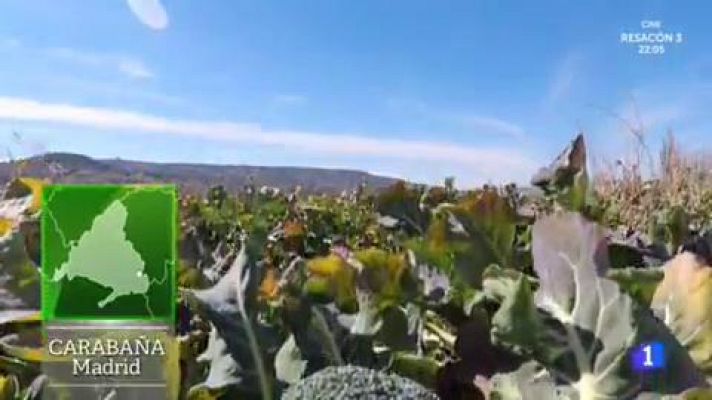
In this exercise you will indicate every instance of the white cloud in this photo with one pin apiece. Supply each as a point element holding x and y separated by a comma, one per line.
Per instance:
<point>498,163</point>
<point>150,12</point>
<point>128,66</point>
<point>290,99</point>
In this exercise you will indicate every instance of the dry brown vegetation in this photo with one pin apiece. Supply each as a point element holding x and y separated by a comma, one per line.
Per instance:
<point>677,180</point>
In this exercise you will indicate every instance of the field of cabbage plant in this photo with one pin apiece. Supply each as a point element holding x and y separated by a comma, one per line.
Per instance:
<point>414,292</point>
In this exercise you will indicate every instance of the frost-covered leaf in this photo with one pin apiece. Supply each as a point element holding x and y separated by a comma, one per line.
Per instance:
<point>13,209</point>
<point>387,221</point>
<point>27,188</point>
<point>402,203</point>
<point>367,321</point>
<point>499,283</point>
<point>224,369</point>
<point>435,283</point>
<point>238,342</point>
<point>579,325</point>
<point>684,301</point>
<point>25,343</point>
<point>568,251</point>
<point>289,365</point>
<point>35,390</point>
<point>351,382</point>
<point>317,333</point>
<point>529,382</point>
<point>19,279</point>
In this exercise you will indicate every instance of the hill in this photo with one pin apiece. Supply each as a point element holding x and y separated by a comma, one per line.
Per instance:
<point>77,168</point>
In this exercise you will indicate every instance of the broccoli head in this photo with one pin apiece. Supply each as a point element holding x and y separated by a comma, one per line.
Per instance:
<point>351,383</point>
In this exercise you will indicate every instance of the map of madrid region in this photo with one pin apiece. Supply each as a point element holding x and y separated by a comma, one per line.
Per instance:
<point>108,253</point>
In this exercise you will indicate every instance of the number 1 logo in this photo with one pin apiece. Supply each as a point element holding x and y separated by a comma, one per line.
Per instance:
<point>648,357</point>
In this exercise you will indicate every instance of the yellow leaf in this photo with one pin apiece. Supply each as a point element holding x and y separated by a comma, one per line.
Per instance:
<point>684,301</point>
<point>269,287</point>
<point>326,266</point>
<point>334,273</point>
<point>383,271</point>
<point>36,186</point>
<point>6,226</point>
<point>28,343</point>
<point>171,366</point>
<point>8,388</point>
<point>202,393</point>
<point>28,354</point>
<point>696,394</point>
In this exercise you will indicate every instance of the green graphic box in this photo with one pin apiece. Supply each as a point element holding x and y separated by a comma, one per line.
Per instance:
<point>109,253</point>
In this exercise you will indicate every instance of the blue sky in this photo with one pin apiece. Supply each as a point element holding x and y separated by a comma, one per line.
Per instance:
<point>482,90</point>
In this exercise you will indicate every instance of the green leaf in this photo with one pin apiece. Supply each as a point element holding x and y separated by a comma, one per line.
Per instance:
<point>670,227</point>
<point>638,283</point>
<point>403,203</point>
<point>468,237</point>
<point>316,331</point>
<point>395,331</point>
<point>423,370</point>
<point>476,356</point>
<point>491,215</point>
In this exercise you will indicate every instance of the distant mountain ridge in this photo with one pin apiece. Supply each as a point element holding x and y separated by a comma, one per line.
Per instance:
<point>77,168</point>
